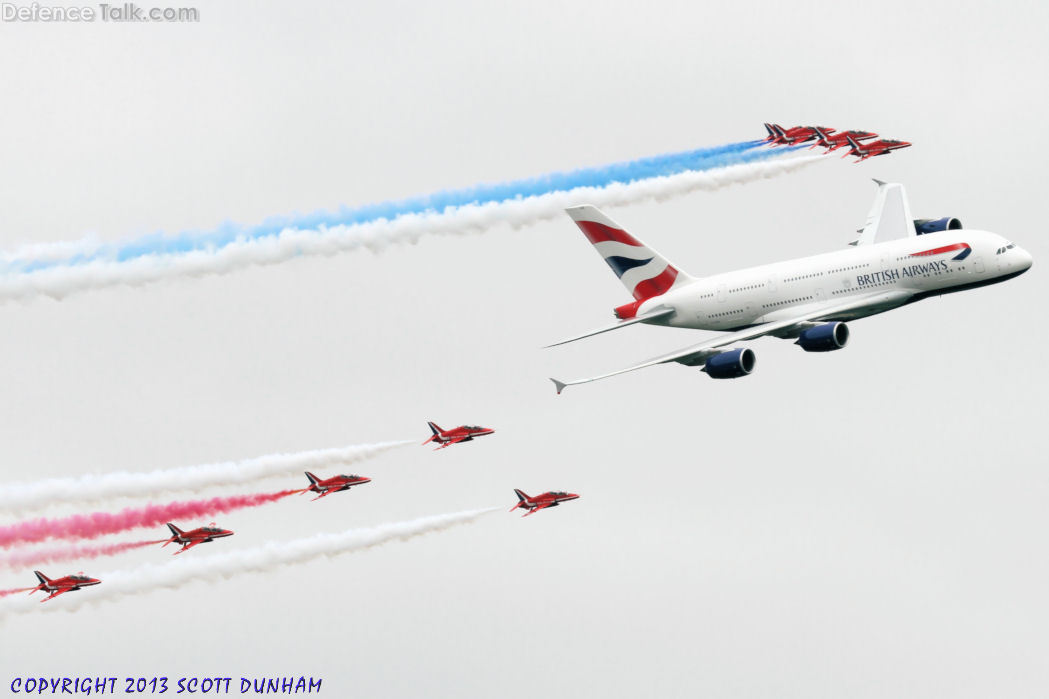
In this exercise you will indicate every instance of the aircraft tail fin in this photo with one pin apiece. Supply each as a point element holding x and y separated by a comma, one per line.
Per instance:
<point>175,534</point>
<point>41,577</point>
<point>854,147</point>
<point>643,271</point>
<point>436,432</point>
<point>521,499</point>
<point>772,134</point>
<point>312,478</point>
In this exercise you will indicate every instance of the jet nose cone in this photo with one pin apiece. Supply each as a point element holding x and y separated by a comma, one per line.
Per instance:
<point>1025,260</point>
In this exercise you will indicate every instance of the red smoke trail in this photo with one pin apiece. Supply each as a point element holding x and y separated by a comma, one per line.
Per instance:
<point>99,524</point>
<point>24,559</point>
<point>5,593</point>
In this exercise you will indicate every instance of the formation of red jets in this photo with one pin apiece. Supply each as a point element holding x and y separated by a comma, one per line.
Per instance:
<point>829,139</point>
<point>324,486</point>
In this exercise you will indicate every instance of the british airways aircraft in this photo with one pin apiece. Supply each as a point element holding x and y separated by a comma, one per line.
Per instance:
<point>897,260</point>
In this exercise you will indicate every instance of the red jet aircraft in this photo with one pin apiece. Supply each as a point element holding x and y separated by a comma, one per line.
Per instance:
<point>463,433</point>
<point>831,143</point>
<point>778,136</point>
<point>541,502</point>
<point>334,484</point>
<point>193,537</point>
<point>67,584</point>
<point>869,150</point>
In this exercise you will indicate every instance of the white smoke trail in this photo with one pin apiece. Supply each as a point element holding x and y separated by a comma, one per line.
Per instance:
<point>262,559</point>
<point>61,281</point>
<point>20,497</point>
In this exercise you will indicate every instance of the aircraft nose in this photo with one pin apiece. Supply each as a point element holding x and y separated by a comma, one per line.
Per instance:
<point>1024,259</point>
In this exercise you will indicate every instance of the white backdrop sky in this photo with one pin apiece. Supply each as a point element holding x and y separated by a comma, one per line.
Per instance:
<point>866,523</point>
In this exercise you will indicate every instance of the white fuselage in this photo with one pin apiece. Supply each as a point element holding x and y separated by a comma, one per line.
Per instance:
<point>784,289</point>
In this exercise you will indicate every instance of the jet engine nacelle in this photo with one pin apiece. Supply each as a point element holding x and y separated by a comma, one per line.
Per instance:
<point>824,338</point>
<point>928,225</point>
<point>731,365</point>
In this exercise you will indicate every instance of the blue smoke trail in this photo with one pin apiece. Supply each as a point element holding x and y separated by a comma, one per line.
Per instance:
<point>624,172</point>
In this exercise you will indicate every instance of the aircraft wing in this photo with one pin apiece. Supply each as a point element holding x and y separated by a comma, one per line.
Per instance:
<point>56,593</point>
<point>190,545</point>
<point>453,440</point>
<point>698,354</point>
<point>890,215</point>
<point>537,508</point>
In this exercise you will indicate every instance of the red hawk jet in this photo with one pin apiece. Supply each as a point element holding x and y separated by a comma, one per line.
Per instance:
<point>869,150</point>
<point>826,140</point>
<point>67,584</point>
<point>193,537</point>
<point>541,502</point>
<point>462,433</point>
<point>327,486</point>
<point>778,136</point>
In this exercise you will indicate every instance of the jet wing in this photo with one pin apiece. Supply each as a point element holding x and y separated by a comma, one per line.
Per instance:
<point>57,592</point>
<point>537,508</point>
<point>453,440</point>
<point>698,354</point>
<point>890,215</point>
<point>190,545</point>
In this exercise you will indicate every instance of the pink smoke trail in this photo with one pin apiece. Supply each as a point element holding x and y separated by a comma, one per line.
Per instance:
<point>5,593</point>
<point>98,524</point>
<point>25,559</point>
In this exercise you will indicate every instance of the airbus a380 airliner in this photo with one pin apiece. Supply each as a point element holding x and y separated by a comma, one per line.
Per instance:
<point>896,261</point>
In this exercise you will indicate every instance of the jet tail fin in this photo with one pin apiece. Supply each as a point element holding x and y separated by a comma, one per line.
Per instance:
<point>854,147</point>
<point>521,498</point>
<point>175,534</point>
<point>312,478</point>
<point>41,577</point>
<point>643,271</point>
<point>436,432</point>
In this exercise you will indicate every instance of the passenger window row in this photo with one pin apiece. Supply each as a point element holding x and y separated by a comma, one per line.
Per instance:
<point>787,302</point>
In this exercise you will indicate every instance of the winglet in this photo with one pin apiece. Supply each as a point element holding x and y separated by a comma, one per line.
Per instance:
<point>559,385</point>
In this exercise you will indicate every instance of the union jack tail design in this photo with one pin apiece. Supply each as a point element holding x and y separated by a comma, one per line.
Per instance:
<point>644,272</point>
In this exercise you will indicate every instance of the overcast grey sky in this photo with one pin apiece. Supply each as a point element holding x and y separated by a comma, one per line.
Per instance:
<point>865,523</point>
